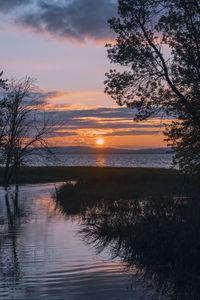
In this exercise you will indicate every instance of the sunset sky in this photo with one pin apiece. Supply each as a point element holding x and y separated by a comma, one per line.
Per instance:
<point>61,43</point>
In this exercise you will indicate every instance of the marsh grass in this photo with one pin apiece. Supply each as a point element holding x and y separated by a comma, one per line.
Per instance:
<point>110,182</point>
<point>151,223</point>
<point>97,184</point>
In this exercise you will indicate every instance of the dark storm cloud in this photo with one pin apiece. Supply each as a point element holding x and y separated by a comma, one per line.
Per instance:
<point>7,5</point>
<point>76,19</point>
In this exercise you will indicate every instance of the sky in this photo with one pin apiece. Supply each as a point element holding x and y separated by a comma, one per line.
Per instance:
<point>61,43</point>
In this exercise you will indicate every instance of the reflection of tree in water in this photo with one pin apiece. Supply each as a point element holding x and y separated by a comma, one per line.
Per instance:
<point>11,216</point>
<point>160,237</point>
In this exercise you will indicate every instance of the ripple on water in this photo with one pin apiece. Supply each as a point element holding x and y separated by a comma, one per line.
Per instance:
<point>42,257</point>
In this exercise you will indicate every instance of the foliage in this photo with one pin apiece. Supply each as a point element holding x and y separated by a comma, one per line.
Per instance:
<point>158,46</point>
<point>3,82</point>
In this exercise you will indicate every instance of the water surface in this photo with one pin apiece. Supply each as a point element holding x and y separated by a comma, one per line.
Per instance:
<point>105,160</point>
<point>42,255</point>
<point>142,248</point>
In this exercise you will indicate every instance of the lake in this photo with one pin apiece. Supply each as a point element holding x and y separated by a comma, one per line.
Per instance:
<point>105,160</point>
<point>131,249</point>
<point>42,255</point>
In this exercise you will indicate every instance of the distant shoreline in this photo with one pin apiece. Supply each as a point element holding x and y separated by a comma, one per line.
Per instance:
<point>104,150</point>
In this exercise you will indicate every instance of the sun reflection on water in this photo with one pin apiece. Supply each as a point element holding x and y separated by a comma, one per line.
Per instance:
<point>100,160</point>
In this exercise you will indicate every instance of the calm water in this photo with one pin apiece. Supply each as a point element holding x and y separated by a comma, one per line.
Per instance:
<point>125,249</point>
<point>42,255</point>
<point>111,160</point>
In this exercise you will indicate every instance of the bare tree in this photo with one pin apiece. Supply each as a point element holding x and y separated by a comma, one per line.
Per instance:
<point>3,87</point>
<point>25,125</point>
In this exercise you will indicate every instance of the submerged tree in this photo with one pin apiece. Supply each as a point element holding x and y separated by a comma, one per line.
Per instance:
<point>158,44</point>
<point>24,128</point>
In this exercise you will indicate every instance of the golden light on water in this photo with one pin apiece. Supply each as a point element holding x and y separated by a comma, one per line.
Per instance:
<point>100,141</point>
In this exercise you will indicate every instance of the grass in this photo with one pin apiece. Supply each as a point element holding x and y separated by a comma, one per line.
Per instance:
<point>111,182</point>
<point>107,183</point>
<point>106,174</point>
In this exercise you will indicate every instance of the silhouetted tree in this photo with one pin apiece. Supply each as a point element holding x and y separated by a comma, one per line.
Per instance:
<point>24,129</point>
<point>158,45</point>
<point>3,86</point>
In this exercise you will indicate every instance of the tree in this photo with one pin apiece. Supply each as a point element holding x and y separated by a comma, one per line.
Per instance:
<point>158,44</point>
<point>24,129</point>
<point>3,82</point>
<point>3,86</point>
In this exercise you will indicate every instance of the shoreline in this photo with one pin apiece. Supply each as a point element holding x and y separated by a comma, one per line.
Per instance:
<point>44,174</point>
<point>112,182</point>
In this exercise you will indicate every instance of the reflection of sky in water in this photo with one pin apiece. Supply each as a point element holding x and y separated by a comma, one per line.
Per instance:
<point>110,160</point>
<point>42,257</point>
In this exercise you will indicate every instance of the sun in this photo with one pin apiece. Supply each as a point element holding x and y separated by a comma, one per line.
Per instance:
<point>100,141</point>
